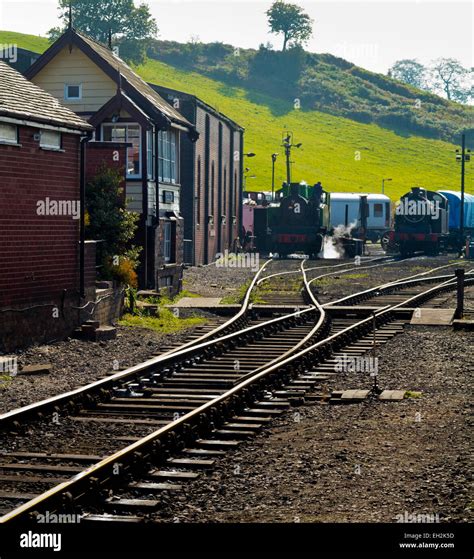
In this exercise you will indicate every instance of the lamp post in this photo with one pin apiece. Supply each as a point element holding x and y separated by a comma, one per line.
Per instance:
<point>383,185</point>
<point>462,158</point>
<point>274,158</point>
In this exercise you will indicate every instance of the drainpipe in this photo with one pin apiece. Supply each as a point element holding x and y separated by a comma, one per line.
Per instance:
<point>144,170</point>
<point>82,199</point>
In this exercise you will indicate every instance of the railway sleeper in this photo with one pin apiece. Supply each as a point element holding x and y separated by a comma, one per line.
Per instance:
<point>190,463</point>
<point>153,487</point>
<point>127,504</point>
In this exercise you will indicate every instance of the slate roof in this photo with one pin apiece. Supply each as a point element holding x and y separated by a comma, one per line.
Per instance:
<point>22,99</point>
<point>115,67</point>
<point>133,78</point>
<point>170,93</point>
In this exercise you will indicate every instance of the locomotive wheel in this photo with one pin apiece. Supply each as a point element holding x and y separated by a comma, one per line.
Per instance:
<point>385,240</point>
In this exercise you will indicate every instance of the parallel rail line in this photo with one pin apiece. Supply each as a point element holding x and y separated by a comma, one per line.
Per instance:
<point>254,396</point>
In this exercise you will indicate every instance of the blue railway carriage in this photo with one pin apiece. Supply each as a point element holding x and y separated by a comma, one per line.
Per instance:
<point>454,199</point>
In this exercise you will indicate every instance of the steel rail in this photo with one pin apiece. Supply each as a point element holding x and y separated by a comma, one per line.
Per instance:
<point>316,328</point>
<point>169,358</point>
<point>222,327</point>
<point>379,289</point>
<point>284,273</point>
<point>139,452</point>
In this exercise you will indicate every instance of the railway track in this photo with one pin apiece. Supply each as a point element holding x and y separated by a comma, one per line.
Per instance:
<point>198,403</point>
<point>145,397</point>
<point>282,288</point>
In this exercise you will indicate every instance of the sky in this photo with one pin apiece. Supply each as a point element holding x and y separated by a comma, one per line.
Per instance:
<point>371,34</point>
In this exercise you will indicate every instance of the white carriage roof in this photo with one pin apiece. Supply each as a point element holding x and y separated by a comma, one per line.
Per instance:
<point>354,196</point>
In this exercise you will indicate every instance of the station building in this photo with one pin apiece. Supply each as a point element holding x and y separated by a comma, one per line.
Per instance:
<point>90,79</point>
<point>211,185</point>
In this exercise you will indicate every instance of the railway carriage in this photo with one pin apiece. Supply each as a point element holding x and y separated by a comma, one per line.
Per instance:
<point>454,199</point>
<point>345,211</point>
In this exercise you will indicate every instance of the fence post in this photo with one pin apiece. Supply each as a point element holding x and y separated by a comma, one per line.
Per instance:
<point>460,292</point>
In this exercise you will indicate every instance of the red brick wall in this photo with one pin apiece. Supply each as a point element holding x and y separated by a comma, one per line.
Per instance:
<point>113,155</point>
<point>38,254</point>
<point>203,230</point>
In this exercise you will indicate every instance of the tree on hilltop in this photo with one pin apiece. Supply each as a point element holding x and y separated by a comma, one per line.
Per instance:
<point>290,20</point>
<point>131,27</point>
<point>450,76</point>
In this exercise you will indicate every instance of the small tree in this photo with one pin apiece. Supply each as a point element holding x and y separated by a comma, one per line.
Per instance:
<point>409,71</point>
<point>108,220</point>
<point>290,20</point>
<point>449,76</point>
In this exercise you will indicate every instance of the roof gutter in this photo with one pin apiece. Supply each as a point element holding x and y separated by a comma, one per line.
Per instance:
<point>34,123</point>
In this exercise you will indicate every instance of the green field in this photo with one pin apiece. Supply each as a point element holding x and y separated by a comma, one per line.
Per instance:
<point>343,154</point>
<point>30,42</point>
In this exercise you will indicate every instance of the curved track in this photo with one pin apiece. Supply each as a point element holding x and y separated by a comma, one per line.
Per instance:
<point>201,414</point>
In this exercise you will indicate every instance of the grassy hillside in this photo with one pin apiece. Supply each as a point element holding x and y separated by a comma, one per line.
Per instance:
<point>345,155</point>
<point>30,42</point>
<point>322,82</point>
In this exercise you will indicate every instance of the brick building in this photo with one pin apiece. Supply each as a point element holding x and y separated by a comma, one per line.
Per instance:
<point>40,178</point>
<point>211,178</point>
<point>91,80</point>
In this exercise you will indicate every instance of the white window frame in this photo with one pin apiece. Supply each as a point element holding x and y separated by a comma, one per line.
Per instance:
<point>67,97</point>
<point>165,155</point>
<point>150,153</point>
<point>126,125</point>
<point>8,141</point>
<point>45,145</point>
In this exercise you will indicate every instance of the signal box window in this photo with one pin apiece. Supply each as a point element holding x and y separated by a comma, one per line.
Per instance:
<point>49,139</point>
